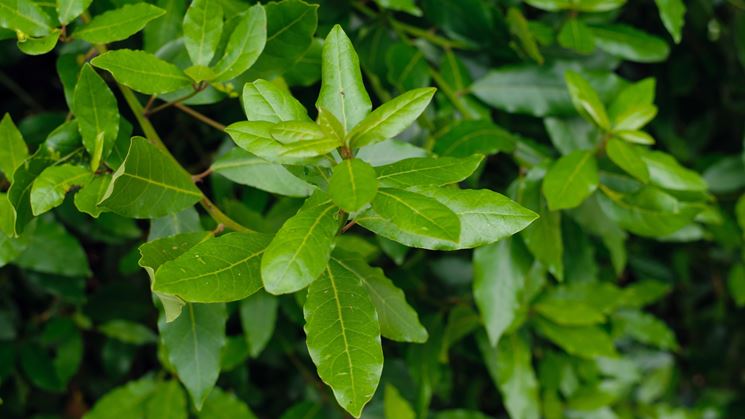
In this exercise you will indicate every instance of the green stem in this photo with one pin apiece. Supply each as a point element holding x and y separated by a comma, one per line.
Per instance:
<point>454,98</point>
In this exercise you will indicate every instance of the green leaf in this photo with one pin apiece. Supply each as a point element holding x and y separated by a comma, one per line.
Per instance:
<point>342,91</point>
<point>245,45</point>
<point>395,405</point>
<point>290,25</point>
<point>156,252</point>
<point>25,16</point>
<point>95,107</point>
<point>68,10</point>
<point>301,249</point>
<point>128,400</point>
<point>50,187</point>
<point>258,316</point>
<point>52,250</point>
<point>118,24</point>
<point>543,237</point>
<point>194,341</point>
<point>578,303</point>
<point>427,171</point>
<point>222,269</point>
<point>644,328</point>
<point>243,167</point>
<point>149,184</point>
<point>353,185</point>
<point>672,13</point>
<point>485,217</point>
<point>464,138</point>
<point>570,180</point>
<point>582,341</point>
<point>648,212</point>
<point>586,100</point>
<point>142,71</point>
<point>288,132</point>
<point>579,5</point>
<point>636,137</point>
<point>407,67</point>
<point>88,197</point>
<point>407,6</point>
<point>222,405</point>
<point>510,366</point>
<point>128,332</point>
<point>666,172</point>
<point>519,28</point>
<point>167,402</point>
<point>202,29</point>
<point>630,44</point>
<point>736,284</point>
<point>13,150</point>
<point>499,279</point>
<point>343,337</point>
<point>19,193</point>
<point>398,320</point>
<point>165,28</point>
<point>576,35</point>
<point>417,214</point>
<point>39,46</point>
<point>626,157</point>
<point>632,97</point>
<point>391,118</point>
<point>265,101</point>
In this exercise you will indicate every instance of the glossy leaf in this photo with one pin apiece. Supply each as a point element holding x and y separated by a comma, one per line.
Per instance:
<point>142,71</point>
<point>258,315</point>
<point>576,35</point>
<point>417,214</point>
<point>13,150</point>
<point>223,405</point>
<point>19,193</point>
<point>118,24</point>
<point>299,252</point>
<point>128,400</point>
<point>222,269</point>
<point>343,337</point>
<point>67,10</point>
<point>427,171</point>
<point>202,29</point>
<point>88,197</point>
<point>582,341</point>
<point>39,46</point>
<point>50,187</point>
<point>245,45</point>
<point>630,44</point>
<point>353,184</point>
<point>265,101</point>
<point>25,16</point>
<point>586,100</point>
<point>672,13</point>
<point>570,180</point>
<point>666,172</point>
<point>243,167</point>
<point>342,92</point>
<point>466,138</point>
<point>627,158</point>
<point>97,113</point>
<point>149,184</point>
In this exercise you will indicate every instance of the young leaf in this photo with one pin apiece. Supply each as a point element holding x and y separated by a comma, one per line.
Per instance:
<point>353,184</point>
<point>258,317</point>
<point>13,150</point>
<point>68,10</point>
<point>631,98</point>
<point>398,320</point>
<point>222,269</point>
<point>142,71</point>
<point>666,172</point>
<point>118,24</point>
<point>635,118</point>
<point>391,118</point>
<point>570,180</point>
<point>586,100</point>
<point>672,13</point>
<point>464,138</point>
<point>627,158</point>
<point>25,16</point>
<point>629,43</point>
<point>265,101</point>
<point>343,337</point>
<point>149,184</point>
<point>395,405</point>
<point>39,46</point>
<point>202,29</point>
<point>194,341</point>
<point>244,46</point>
<point>519,28</point>
<point>499,278</point>
<point>485,217</point>
<point>636,137</point>
<point>49,188</point>
<point>417,214</point>
<point>97,113</point>
<point>243,167</point>
<point>427,171</point>
<point>577,36</point>
<point>342,91</point>
<point>301,249</point>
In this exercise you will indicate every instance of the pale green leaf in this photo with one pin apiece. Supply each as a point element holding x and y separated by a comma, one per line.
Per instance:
<point>299,252</point>
<point>391,118</point>
<point>265,101</point>
<point>586,100</point>
<point>570,180</point>
<point>222,269</point>
<point>68,10</point>
<point>245,45</point>
<point>626,157</point>
<point>395,405</point>
<point>342,91</point>
<point>343,337</point>
<point>288,132</point>
<point>666,172</point>
<point>118,24</point>
<point>142,71</point>
<point>353,184</point>
<point>25,16</point>
<point>672,13</point>
<point>631,98</point>
<point>125,401</point>
<point>427,171</point>
<point>407,6</point>
<point>202,29</point>
<point>97,113</point>
<point>398,320</point>
<point>149,184</point>
<point>193,342</point>
<point>39,46</point>
<point>636,137</point>
<point>417,214</point>
<point>88,197</point>
<point>50,187</point>
<point>165,28</point>
<point>13,150</point>
<point>243,167</point>
<point>258,317</point>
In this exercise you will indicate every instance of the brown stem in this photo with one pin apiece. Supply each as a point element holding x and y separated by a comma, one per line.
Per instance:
<point>198,88</point>
<point>201,117</point>
<point>199,176</point>
<point>348,226</point>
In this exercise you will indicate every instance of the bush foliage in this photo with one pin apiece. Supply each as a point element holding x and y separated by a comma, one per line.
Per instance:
<point>445,209</point>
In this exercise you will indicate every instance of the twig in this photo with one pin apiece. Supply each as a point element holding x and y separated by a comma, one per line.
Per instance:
<point>348,226</point>
<point>199,176</point>
<point>201,117</point>
<point>197,89</point>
